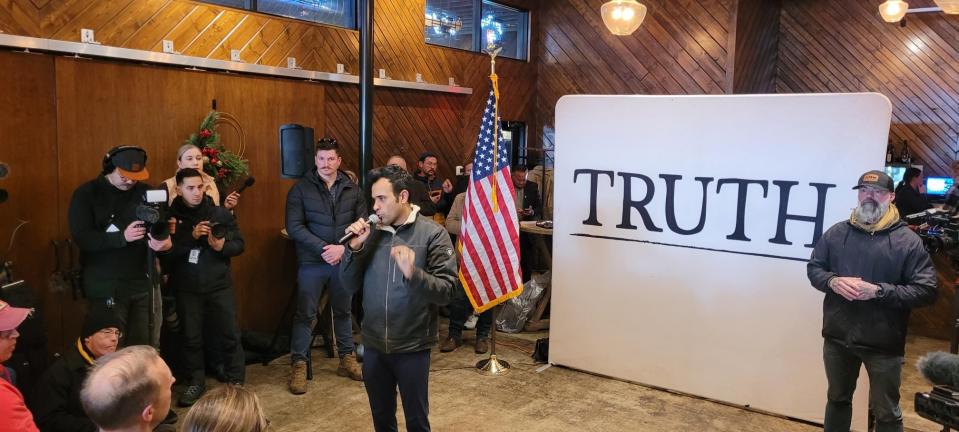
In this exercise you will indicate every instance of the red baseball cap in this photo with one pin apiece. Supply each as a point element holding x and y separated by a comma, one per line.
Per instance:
<point>11,317</point>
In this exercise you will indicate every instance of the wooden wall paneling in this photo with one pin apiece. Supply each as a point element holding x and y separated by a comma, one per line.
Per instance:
<point>754,47</point>
<point>20,17</point>
<point>159,26</point>
<point>118,31</point>
<point>680,49</point>
<point>95,14</point>
<point>914,66</point>
<point>28,146</point>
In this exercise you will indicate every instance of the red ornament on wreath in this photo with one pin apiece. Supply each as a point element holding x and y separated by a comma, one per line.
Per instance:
<point>227,166</point>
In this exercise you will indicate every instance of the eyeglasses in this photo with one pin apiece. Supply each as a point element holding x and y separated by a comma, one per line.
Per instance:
<point>107,331</point>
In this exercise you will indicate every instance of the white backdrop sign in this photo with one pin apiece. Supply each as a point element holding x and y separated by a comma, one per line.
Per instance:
<point>683,226</point>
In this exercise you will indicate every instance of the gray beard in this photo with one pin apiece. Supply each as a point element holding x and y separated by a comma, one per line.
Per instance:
<point>869,212</point>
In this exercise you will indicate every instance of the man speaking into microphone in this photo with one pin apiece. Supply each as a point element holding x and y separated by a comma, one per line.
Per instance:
<point>319,207</point>
<point>406,268</point>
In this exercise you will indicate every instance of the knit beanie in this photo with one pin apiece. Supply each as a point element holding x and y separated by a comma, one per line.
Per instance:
<point>98,318</point>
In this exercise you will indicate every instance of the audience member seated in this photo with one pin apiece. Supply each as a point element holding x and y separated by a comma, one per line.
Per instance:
<point>226,409</point>
<point>129,390</point>
<point>14,415</point>
<point>57,398</point>
<point>910,197</point>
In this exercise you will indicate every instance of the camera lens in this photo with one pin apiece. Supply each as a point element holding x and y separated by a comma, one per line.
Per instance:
<point>218,231</point>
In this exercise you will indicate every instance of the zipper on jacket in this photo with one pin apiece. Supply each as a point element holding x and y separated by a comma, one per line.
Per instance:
<point>386,304</point>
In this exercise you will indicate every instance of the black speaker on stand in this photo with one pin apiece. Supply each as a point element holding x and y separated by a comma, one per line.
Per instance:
<point>296,150</point>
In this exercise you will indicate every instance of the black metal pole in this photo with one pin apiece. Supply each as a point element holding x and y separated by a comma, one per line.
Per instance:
<point>366,89</point>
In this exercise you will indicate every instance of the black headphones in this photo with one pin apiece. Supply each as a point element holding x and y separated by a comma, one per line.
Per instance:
<point>107,163</point>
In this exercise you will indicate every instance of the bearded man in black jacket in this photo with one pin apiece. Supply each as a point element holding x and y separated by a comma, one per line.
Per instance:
<point>205,239</point>
<point>873,270</point>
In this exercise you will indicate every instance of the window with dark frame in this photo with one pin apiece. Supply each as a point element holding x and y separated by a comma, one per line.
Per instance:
<point>339,13</point>
<point>454,24</point>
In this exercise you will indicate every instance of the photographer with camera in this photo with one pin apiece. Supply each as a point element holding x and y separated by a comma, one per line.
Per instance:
<point>205,239</point>
<point>113,239</point>
<point>873,270</point>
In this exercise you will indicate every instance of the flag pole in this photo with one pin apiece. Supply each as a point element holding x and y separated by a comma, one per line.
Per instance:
<point>493,366</point>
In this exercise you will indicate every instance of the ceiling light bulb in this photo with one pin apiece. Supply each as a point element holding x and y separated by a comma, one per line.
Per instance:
<point>893,10</point>
<point>623,17</point>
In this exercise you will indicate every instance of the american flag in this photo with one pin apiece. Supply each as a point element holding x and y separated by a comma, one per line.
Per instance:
<point>489,237</point>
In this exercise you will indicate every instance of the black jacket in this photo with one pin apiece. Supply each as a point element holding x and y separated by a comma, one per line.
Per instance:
<point>56,405</point>
<point>894,259</point>
<point>111,266</point>
<point>399,314</point>
<point>909,200</point>
<point>421,198</point>
<point>317,216</point>
<point>531,199</point>
<point>212,270</point>
<point>446,199</point>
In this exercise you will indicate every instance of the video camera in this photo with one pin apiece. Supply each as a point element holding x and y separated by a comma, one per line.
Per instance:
<point>938,228</point>
<point>152,211</point>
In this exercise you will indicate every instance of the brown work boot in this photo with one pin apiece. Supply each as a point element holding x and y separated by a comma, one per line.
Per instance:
<point>482,345</point>
<point>450,344</point>
<point>350,368</point>
<point>298,378</point>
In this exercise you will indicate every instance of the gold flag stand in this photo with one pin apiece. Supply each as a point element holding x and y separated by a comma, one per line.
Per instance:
<point>493,366</point>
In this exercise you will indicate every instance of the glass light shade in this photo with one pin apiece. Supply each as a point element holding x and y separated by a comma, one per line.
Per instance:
<point>950,7</point>
<point>623,17</point>
<point>893,10</point>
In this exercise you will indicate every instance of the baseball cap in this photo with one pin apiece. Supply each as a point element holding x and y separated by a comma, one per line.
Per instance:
<point>11,317</point>
<point>875,178</point>
<point>131,162</point>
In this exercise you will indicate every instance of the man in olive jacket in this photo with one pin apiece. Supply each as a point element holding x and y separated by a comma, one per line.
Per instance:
<point>406,268</point>
<point>319,207</point>
<point>873,270</point>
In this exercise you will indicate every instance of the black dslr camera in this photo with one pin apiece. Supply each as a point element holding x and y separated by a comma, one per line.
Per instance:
<point>218,230</point>
<point>152,211</point>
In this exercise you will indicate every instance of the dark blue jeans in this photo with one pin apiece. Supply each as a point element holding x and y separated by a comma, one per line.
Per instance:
<point>383,373</point>
<point>311,281</point>
<point>460,309</point>
<point>842,370</point>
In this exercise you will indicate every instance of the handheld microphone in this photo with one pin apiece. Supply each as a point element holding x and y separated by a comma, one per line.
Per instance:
<point>940,368</point>
<point>249,182</point>
<point>372,220</point>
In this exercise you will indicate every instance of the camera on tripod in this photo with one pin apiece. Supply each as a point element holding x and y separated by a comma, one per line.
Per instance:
<point>152,212</point>
<point>937,228</point>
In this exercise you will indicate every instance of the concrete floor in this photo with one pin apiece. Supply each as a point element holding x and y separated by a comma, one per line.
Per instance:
<point>556,399</point>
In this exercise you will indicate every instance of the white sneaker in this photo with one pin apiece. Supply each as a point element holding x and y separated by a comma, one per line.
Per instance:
<point>471,322</point>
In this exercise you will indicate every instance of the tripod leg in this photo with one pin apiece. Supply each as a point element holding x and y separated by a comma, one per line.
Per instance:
<point>290,305</point>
